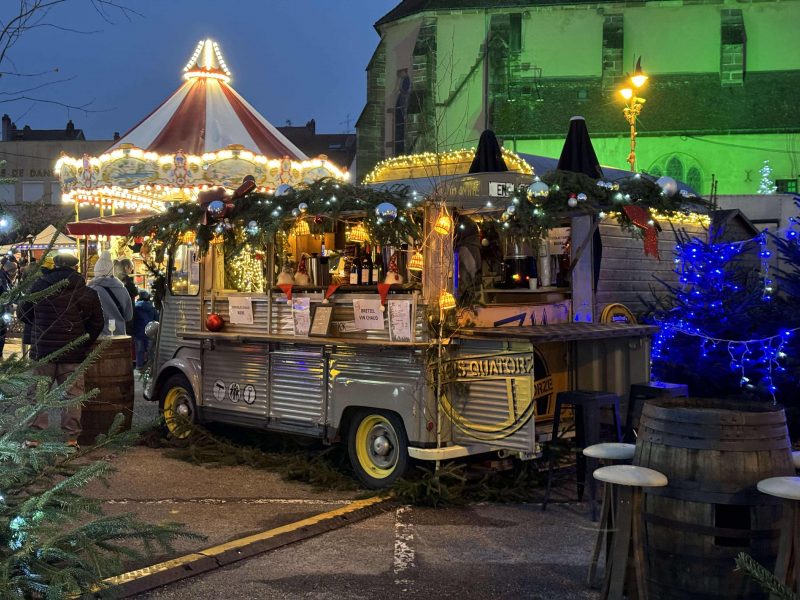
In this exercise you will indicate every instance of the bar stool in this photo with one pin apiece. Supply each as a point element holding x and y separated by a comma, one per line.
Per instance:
<point>796,459</point>
<point>587,406</point>
<point>787,566</point>
<point>609,452</point>
<point>628,542</point>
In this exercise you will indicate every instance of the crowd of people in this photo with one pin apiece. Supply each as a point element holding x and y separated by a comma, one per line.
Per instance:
<point>109,304</point>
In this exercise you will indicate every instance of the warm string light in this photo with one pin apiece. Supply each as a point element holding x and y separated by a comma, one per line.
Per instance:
<point>247,271</point>
<point>417,262</point>
<point>357,233</point>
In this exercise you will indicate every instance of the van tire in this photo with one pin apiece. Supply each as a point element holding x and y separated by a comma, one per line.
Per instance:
<point>378,447</point>
<point>178,406</point>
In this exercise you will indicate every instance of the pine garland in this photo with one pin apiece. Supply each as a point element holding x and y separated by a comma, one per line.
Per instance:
<point>765,579</point>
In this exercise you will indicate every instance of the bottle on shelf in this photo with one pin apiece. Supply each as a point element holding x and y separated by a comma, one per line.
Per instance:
<point>376,266</point>
<point>355,272</point>
<point>366,267</point>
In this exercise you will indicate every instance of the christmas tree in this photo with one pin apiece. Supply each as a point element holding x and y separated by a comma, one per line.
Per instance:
<point>720,332</point>
<point>54,542</point>
<point>767,184</point>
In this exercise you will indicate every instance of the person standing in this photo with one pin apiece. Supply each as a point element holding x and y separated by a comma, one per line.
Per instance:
<point>114,298</point>
<point>69,313</point>
<point>143,313</point>
<point>123,269</point>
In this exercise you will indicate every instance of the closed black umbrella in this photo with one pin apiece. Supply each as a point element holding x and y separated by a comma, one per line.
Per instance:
<point>488,156</point>
<point>578,153</point>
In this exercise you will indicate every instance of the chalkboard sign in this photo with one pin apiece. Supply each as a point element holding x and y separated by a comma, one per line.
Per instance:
<point>320,320</point>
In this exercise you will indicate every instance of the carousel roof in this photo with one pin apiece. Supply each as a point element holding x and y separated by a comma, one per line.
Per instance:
<point>206,114</point>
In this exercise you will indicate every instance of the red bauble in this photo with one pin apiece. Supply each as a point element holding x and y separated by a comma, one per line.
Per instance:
<point>319,219</point>
<point>214,322</point>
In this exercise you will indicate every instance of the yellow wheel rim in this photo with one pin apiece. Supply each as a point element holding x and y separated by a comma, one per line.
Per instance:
<point>377,447</point>
<point>177,412</point>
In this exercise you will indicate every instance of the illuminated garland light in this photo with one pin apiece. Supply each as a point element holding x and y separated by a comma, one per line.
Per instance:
<point>447,301</point>
<point>247,271</point>
<point>357,233</point>
<point>417,262</point>
<point>455,161</point>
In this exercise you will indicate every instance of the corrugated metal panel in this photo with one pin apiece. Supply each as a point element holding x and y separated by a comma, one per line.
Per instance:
<point>235,379</point>
<point>297,386</point>
<point>180,314</point>
<point>389,378</point>
<point>282,323</point>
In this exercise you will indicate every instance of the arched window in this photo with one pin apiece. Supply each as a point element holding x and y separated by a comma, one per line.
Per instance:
<point>400,110</point>
<point>675,168</point>
<point>656,171</point>
<point>694,178</point>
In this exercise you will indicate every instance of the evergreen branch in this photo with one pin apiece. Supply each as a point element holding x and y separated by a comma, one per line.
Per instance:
<point>765,579</point>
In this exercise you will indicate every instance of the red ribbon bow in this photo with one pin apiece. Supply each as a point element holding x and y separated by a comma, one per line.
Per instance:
<point>641,218</point>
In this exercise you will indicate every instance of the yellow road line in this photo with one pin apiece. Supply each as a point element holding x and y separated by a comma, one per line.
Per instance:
<point>210,553</point>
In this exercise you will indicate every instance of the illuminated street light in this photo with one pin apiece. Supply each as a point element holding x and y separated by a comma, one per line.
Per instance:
<point>633,106</point>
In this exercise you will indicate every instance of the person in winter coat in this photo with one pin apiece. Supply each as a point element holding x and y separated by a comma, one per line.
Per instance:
<point>123,269</point>
<point>8,275</point>
<point>143,313</point>
<point>56,321</point>
<point>116,302</point>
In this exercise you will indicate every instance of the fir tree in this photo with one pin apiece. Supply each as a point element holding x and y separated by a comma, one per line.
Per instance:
<point>54,542</point>
<point>767,184</point>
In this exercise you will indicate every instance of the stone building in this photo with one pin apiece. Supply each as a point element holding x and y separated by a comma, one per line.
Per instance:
<point>340,148</point>
<point>721,99</point>
<point>27,168</point>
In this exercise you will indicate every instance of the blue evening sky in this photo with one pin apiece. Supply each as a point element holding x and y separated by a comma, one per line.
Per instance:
<point>291,59</point>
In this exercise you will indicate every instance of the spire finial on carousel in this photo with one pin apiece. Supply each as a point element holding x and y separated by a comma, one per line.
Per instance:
<point>207,61</point>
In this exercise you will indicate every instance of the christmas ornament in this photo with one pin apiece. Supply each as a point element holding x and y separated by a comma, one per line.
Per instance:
<point>668,185</point>
<point>151,329</point>
<point>282,190</point>
<point>393,275</point>
<point>485,242</point>
<point>248,185</point>
<point>303,207</point>
<point>319,219</point>
<point>295,212</point>
<point>252,228</point>
<point>301,277</point>
<point>357,233</point>
<point>444,224</point>
<point>446,301</point>
<point>505,216</point>
<point>573,201</point>
<point>581,197</point>
<point>216,208</point>
<point>214,322</point>
<point>386,210</point>
<point>538,189</point>
<point>417,262</point>
<point>640,217</point>
<point>603,184</point>
<point>511,209</point>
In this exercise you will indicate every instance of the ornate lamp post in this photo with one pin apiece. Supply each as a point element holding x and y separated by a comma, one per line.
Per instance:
<point>633,106</point>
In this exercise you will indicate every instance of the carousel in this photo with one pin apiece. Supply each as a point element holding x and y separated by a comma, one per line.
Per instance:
<point>203,137</point>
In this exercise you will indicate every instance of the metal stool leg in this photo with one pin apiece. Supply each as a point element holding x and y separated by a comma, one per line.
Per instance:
<point>604,535</point>
<point>556,422</point>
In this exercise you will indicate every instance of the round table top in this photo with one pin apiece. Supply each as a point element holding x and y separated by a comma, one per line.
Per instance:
<point>796,458</point>
<point>781,487</point>
<point>631,475</point>
<point>611,451</point>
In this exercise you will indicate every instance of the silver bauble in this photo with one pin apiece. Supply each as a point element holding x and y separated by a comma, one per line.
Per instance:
<point>511,209</point>
<point>216,208</point>
<point>668,185</point>
<point>282,190</point>
<point>538,189</point>
<point>387,211</point>
<point>303,207</point>
<point>572,202</point>
<point>581,197</point>
<point>151,329</point>
<point>295,212</point>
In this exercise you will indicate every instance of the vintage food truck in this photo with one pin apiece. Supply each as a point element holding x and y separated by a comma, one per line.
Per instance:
<point>452,343</point>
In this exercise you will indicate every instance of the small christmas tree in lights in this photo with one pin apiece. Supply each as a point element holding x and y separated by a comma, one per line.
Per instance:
<point>767,184</point>
<point>720,333</point>
<point>247,271</point>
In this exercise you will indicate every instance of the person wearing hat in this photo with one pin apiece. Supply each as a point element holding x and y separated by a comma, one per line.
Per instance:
<point>143,313</point>
<point>117,305</point>
<point>70,312</point>
<point>8,275</point>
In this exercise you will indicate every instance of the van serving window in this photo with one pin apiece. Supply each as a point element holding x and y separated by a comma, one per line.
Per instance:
<point>184,274</point>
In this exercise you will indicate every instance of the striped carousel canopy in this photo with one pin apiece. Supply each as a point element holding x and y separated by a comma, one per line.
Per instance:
<point>206,114</point>
<point>204,135</point>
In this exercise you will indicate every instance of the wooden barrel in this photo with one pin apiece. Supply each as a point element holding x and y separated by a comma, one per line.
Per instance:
<point>713,452</point>
<point>112,374</point>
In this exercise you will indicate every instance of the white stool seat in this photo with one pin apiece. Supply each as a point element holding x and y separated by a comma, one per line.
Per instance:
<point>631,475</point>
<point>781,487</point>
<point>610,451</point>
<point>796,458</point>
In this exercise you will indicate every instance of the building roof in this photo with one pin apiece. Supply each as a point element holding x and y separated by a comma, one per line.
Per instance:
<point>407,8</point>
<point>764,103</point>
<point>206,114</point>
<point>12,134</point>
<point>340,148</point>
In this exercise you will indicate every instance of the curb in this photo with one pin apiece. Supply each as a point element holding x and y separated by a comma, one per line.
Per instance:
<point>203,561</point>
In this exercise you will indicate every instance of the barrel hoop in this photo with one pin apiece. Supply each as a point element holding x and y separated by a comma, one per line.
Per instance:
<point>711,416</point>
<point>696,528</point>
<point>750,497</point>
<point>679,441</point>
<point>713,432</point>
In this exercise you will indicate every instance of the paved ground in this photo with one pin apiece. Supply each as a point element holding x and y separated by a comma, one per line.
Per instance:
<point>481,551</point>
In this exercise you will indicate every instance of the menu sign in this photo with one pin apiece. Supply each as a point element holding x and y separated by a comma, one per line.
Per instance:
<point>240,310</point>
<point>321,320</point>
<point>400,329</point>
<point>301,315</point>
<point>367,314</point>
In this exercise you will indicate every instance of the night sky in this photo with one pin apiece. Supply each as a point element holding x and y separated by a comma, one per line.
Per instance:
<point>291,59</point>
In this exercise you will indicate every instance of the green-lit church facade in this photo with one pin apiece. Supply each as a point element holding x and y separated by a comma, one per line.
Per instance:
<point>722,96</point>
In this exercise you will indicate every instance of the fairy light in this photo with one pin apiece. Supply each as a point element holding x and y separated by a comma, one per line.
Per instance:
<point>446,301</point>
<point>357,233</point>
<point>301,227</point>
<point>443,224</point>
<point>417,262</point>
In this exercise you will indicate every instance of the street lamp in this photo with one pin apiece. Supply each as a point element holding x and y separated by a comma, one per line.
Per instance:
<point>633,105</point>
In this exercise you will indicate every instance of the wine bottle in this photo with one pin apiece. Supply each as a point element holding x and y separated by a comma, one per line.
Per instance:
<point>376,266</point>
<point>355,272</point>
<point>366,267</point>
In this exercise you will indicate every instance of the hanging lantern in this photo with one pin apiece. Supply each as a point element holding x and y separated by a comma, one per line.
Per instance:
<point>417,262</point>
<point>301,228</point>
<point>357,233</point>
<point>444,224</point>
<point>446,301</point>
